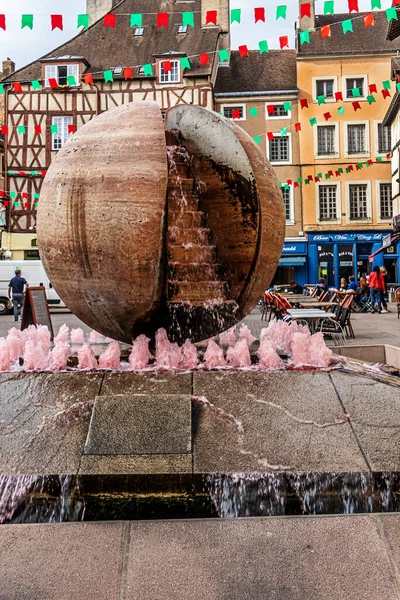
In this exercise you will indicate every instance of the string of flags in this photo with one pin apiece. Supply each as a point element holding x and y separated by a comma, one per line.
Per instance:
<point>162,19</point>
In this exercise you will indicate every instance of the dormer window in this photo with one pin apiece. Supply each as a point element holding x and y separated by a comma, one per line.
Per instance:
<point>138,31</point>
<point>170,76</point>
<point>182,28</point>
<point>60,73</point>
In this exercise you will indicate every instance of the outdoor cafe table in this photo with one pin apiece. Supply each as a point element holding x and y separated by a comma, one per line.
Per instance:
<point>311,315</point>
<point>311,303</point>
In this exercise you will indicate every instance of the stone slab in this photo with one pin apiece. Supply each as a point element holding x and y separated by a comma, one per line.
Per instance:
<point>291,421</point>
<point>28,445</point>
<point>73,561</point>
<point>256,559</point>
<point>391,530</point>
<point>165,382</point>
<point>374,410</point>
<point>140,424</point>
<point>148,464</point>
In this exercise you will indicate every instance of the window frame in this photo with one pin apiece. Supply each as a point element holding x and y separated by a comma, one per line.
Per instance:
<point>169,81</point>
<point>380,182</point>
<point>376,132</point>
<point>233,107</point>
<point>77,74</point>
<point>137,30</point>
<point>277,118</point>
<point>338,219</point>
<point>367,152</point>
<point>335,88</point>
<point>290,150</point>
<point>335,154</point>
<point>367,183</point>
<point>291,220</point>
<point>361,98</point>
<point>61,135</point>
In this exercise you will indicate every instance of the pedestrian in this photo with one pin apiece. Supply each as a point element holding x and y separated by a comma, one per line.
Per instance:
<point>16,286</point>
<point>376,288</point>
<point>296,288</point>
<point>364,290</point>
<point>385,297</point>
<point>353,286</point>
<point>343,285</point>
<point>321,287</point>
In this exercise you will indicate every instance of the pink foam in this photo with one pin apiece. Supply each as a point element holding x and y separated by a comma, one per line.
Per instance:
<point>59,356</point>
<point>15,344</point>
<point>268,357</point>
<point>214,356</point>
<point>30,334</point>
<point>168,355</point>
<point>319,355</point>
<point>5,360</point>
<point>36,357</point>
<point>111,358</point>
<point>44,336</point>
<point>300,346</point>
<point>86,358</point>
<point>140,354</point>
<point>239,356</point>
<point>77,336</point>
<point>277,332</point>
<point>244,332</point>
<point>228,338</point>
<point>62,335</point>
<point>95,337</point>
<point>190,359</point>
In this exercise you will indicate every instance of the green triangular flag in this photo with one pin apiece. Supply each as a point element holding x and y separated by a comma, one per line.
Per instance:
<point>16,204</point>
<point>347,170</point>
<point>391,14</point>
<point>347,25</point>
<point>398,87</point>
<point>327,176</point>
<point>108,76</point>
<point>36,85</point>
<point>304,37</point>
<point>307,182</point>
<point>71,81</point>
<point>36,205</point>
<point>257,139</point>
<point>321,100</point>
<point>253,112</point>
<point>281,12</point>
<point>356,92</point>
<point>2,90</point>
<point>371,99</point>
<point>386,85</point>
<point>379,158</point>
<point>236,14</point>
<point>313,121</point>
<point>53,129</point>
<point>188,19</point>
<point>27,21</point>
<point>36,196</point>
<point>83,21</point>
<point>367,164</point>
<point>319,175</point>
<point>148,70</point>
<point>376,4</point>
<point>34,173</point>
<point>360,165</point>
<point>185,63</point>
<point>283,131</point>
<point>329,7</point>
<point>223,55</point>
<point>286,186</point>
<point>299,180</point>
<point>341,110</point>
<point>340,170</point>
<point>263,45</point>
<point>13,195</point>
<point>137,20</point>
<point>287,106</point>
<point>21,129</point>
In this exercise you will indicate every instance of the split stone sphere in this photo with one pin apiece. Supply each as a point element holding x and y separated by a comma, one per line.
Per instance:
<point>144,224</point>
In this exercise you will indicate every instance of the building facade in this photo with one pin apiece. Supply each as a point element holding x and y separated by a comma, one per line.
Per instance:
<point>71,89</point>
<point>345,148</point>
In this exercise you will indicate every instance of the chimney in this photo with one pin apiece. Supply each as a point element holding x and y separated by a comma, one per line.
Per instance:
<point>307,22</point>
<point>8,68</point>
<point>96,9</point>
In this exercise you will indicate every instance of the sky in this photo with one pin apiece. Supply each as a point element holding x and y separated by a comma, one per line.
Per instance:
<point>25,46</point>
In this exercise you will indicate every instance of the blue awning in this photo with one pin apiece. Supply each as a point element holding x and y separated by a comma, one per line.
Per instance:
<point>293,261</point>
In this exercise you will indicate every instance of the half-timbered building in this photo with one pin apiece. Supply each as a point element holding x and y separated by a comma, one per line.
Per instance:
<point>69,88</point>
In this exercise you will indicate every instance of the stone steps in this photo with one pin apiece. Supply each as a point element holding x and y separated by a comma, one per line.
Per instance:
<point>177,236</point>
<point>187,271</point>
<point>197,291</point>
<point>187,219</point>
<point>191,253</point>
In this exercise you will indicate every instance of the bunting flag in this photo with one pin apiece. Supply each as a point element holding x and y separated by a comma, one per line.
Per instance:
<point>136,20</point>
<point>259,15</point>
<point>353,6</point>
<point>3,22</point>
<point>326,31</point>
<point>57,22</point>
<point>188,19</point>
<point>281,12</point>
<point>128,73</point>
<point>211,17</point>
<point>83,21</point>
<point>236,15</point>
<point>110,20</point>
<point>27,21</point>
<point>284,41</point>
<point>305,10</point>
<point>329,7</point>
<point>369,20</point>
<point>162,20</point>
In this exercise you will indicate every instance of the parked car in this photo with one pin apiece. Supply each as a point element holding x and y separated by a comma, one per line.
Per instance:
<point>35,275</point>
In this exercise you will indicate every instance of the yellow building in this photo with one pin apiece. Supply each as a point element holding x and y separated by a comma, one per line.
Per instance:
<point>345,149</point>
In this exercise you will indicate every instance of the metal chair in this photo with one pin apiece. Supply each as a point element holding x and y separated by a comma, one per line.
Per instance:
<point>335,328</point>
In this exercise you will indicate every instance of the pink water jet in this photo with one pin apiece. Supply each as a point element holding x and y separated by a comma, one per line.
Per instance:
<point>239,356</point>
<point>62,335</point>
<point>36,358</point>
<point>168,355</point>
<point>300,349</point>
<point>319,355</point>
<point>59,356</point>
<point>30,333</point>
<point>190,359</point>
<point>86,358</point>
<point>16,344</point>
<point>95,337</point>
<point>44,337</point>
<point>5,359</point>
<point>214,356</point>
<point>140,354</point>
<point>228,338</point>
<point>111,358</point>
<point>268,356</point>
<point>244,332</point>
<point>77,336</point>
<point>277,332</point>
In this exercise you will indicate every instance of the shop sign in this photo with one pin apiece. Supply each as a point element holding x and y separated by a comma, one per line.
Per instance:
<point>343,238</point>
<point>387,240</point>
<point>369,237</point>
<point>292,249</point>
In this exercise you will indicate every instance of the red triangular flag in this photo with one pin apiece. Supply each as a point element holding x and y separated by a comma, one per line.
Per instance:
<point>110,20</point>
<point>270,109</point>
<point>284,41</point>
<point>128,73</point>
<point>26,205</point>
<point>356,105</point>
<point>316,179</point>
<point>235,113</point>
<point>357,168</point>
<point>204,60</point>
<point>38,129</point>
<point>71,128</point>
<point>1,194</point>
<point>339,96</point>
<point>17,87</point>
<point>44,173</point>
<point>305,10</point>
<point>372,88</point>
<point>369,20</point>
<point>298,126</point>
<point>330,173</point>
<point>57,22</point>
<point>327,116</point>
<point>89,78</point>
<point>296,184</point>
<point>3,22</point>
<point>386,93</point>
<point>243,51</point>
<point>270,136</point>
<point>350,167</point>
<point>289,182</point>
<point>304,103</point>
<point>259,14</point>
<point>4,130</point>
<point>326,31</point>
<point>162,20</point>
<point>211,17</point>
<point>22,173</point>
<point>337,173</point>
<point>396,2</point>
<point>310,178</point>
<point>167,66</point>
<point>389,155</point>
<point>24,195</point>
<point>370,162</point>
<point>353,5</point>
<point>6,203</point>
<point>53,83</point>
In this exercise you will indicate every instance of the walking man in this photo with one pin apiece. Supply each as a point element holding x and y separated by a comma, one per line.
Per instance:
<point>16,286</point>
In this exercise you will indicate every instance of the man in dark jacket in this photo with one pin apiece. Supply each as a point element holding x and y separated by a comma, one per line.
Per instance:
<point>16,286</point>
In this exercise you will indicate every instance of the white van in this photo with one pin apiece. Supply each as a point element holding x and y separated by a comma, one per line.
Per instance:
<point>34,273</point>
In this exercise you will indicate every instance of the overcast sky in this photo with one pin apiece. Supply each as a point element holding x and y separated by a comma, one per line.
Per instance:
<point>24,46</point>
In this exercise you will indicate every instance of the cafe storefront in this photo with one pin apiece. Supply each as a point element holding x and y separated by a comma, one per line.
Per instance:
<point>293,264</point>
<point>336,255</point>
